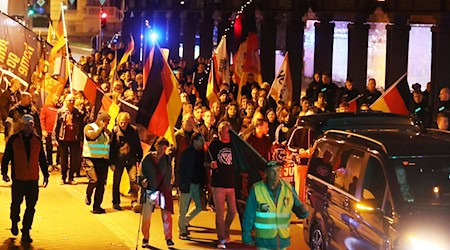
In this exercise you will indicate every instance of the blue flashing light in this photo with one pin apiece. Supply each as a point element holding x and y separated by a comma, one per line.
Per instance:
<point>153,36</point>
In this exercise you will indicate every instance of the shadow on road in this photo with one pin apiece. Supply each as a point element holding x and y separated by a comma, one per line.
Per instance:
<point>10,244</point>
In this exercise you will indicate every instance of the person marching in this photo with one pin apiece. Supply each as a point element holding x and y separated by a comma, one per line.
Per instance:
<point>25,152</point>
<point>268,211</point>
<point>155,175</point>
<point>192,178</point>
<point>96,151</point>
<point>126,153</point>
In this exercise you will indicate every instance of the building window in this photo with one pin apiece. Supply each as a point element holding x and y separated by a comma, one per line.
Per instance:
<point>376,54</point>
<point>419,54</point>
<point>340,52</point>
<point>308,47</point>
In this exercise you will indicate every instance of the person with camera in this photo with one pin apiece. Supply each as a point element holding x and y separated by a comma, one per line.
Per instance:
<point>96,147</point>
<point>154,177</point>
<point>126,153</point>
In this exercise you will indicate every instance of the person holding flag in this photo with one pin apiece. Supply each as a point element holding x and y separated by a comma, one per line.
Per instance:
<point>268,211</point>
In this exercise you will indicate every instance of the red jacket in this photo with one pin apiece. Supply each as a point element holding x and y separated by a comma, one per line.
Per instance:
<point>48,117</point>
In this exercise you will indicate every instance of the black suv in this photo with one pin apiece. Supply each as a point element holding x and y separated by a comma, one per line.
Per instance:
<point>379,190</point>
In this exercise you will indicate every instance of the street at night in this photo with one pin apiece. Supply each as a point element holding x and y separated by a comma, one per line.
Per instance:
<point>225,124</point>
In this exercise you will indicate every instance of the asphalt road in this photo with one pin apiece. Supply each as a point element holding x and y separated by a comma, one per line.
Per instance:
<point>63,221</point>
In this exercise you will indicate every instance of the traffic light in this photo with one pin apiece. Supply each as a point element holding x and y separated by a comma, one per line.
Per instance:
<point>31,10</point>
<point>103,17</point>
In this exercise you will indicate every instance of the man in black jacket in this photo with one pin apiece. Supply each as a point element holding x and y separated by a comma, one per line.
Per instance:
<point>192,178</point>
<point>9,98</point>
<point>125,153</point>
<point>14,121</point>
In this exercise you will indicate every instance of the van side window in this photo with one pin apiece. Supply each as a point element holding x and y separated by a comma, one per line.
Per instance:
<point>349,170</point>
<point>300,138</point>
<point>323,160</point>
<point>374,184</point>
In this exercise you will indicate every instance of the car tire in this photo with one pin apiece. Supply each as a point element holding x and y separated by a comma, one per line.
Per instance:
<point>317,238</point>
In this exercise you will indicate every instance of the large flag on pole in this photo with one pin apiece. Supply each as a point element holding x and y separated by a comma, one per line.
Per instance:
<point>160,104</point>
<point>396,99</point>
<point>250,169</point>
<point>20,49</point>
<point>282,84</point>
<point>246,60</point>
<point>128,52</point>
<point>222,62</point>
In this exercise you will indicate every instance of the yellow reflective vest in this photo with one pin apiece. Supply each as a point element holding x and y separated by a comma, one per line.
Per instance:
<point>272,220</point>
<point>99,148</point>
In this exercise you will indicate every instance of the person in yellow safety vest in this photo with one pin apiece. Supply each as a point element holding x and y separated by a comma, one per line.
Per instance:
<point>96,151</point>
<point>268,211</point>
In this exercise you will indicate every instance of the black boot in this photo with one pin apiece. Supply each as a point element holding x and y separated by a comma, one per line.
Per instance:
<point>26,236</point>
<point>14,229</point>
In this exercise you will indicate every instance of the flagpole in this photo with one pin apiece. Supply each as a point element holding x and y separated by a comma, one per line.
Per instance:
<point>67,47</point>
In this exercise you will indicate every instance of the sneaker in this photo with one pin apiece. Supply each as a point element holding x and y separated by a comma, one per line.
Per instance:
<point>26,236</point>
<point>170,243</point>
<point>14,229</point>
<point>117,207</point>
<point>87,200</point>
<point>98,210</point>
<point>145,243</point>
<point>184,237</point>
<point>136,207</point>
<point>72,182</point>
<point>222,246</point>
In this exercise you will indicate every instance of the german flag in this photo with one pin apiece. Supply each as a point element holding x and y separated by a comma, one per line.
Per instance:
<point>160,104</point>
<point>396,99</point>
<point>128,52</point>
<point>212,89</point>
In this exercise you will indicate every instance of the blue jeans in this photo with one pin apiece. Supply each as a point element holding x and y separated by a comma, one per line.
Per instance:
<point>185,200</point>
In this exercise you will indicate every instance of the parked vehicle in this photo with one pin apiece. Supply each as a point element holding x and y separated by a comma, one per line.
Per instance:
<point>379,190</point>
<point>302,137</point>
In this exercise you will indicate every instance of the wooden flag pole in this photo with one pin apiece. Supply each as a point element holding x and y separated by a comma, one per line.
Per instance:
<point>67,47</point>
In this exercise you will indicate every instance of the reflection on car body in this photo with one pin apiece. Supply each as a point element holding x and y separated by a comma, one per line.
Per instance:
<point>386,190</point>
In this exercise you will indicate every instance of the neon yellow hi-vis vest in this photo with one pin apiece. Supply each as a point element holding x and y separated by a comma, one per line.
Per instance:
<point>98,148</point>
<point>275,220</point>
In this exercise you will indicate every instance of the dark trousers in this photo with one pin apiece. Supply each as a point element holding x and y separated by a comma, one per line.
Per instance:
<point>73,148</point>
<point>29,190</point>
<point>49,149</point>
<point>133,183</point>
<point>101,170</point>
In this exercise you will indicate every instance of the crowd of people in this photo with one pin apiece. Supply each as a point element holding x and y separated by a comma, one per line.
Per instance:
<point>206,177</point>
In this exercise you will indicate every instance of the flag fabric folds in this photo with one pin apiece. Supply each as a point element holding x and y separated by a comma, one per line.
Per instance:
<point>20,48</point>
<point>128,52</point>
<point>396,99</point>
<point>160,103</point>
<point>249,169</point>
<point>246,60</point>
<point>212,89</point>
<point>282,84</point>
<point>222,62</point>
<point>82,82</point>
<point>353,104</point>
